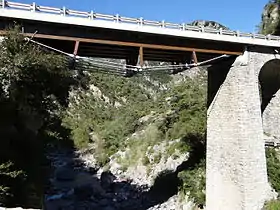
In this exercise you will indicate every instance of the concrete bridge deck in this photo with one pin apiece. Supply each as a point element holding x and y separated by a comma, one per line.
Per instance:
<point>113,36</point>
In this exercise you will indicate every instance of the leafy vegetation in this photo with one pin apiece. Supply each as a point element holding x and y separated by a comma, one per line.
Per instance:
<point>137,113</point>
<point>270,25</point>
<point>34,105</point>
<point>110,110</point>
<point>194,182</point>
<point>273,164</point>
<point>272,205</point>
<point>34,87</point>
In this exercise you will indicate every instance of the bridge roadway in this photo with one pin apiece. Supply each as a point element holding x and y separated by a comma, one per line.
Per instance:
<point>92,34</point>
<point>236,171</point>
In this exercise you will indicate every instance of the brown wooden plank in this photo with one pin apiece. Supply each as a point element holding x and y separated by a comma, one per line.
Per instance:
<point>194,57</point>
<point>141,55</point>
<point>132,44</point>
<point>76,48</point>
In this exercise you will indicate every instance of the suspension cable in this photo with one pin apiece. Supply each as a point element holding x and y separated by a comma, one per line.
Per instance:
<point>87,63</point>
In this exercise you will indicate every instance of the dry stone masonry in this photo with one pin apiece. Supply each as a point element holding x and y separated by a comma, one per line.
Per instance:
<point>236,175</point>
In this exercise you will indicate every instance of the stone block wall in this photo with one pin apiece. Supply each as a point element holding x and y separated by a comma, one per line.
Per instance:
<point>236,175</point>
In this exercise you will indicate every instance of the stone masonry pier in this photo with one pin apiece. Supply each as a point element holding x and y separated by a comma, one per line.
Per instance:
<point>236,173</point>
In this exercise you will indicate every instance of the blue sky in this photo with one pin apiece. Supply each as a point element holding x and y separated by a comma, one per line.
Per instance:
<point>241,15</point>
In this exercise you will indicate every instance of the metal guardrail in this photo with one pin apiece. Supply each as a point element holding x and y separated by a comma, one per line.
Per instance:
<point>120,19</point>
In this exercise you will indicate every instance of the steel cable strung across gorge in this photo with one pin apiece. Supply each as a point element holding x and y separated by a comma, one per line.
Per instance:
<point>117,68</point>
<point>88,64</point>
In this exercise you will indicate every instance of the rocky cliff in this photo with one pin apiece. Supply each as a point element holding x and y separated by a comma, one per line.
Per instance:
<point>208,24</point>
<point>270,18</point>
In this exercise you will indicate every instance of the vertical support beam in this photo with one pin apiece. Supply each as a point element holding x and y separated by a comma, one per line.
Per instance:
<point>194,57</point>
<point>141,55</point>
<point>75,52</point>
<point>236,176</point>
<point>76,48</point>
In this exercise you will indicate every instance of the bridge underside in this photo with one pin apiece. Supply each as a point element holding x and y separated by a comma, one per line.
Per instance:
<point>108,43</point>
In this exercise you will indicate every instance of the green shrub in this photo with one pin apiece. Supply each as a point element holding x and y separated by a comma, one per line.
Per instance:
<point>272,205</point>
<point>194,183</point>
<point>273,164</point>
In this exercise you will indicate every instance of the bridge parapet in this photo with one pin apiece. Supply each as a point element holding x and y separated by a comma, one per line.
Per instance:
<point>137,21</point>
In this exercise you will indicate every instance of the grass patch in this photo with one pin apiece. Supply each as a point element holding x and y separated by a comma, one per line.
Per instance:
<point>272,205</point>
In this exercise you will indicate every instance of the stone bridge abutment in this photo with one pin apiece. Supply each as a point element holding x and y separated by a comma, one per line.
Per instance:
<point>236,172</point>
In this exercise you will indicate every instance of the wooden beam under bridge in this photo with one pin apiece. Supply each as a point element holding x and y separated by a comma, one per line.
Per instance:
<point>131,44</point>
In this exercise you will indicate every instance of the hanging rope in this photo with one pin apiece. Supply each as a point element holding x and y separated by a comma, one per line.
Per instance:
<point>92,65</point>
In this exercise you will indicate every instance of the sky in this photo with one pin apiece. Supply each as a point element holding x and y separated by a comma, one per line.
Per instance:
<point>243,15</point>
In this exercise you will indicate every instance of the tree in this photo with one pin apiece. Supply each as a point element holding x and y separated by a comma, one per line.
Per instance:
<point>34,85</point>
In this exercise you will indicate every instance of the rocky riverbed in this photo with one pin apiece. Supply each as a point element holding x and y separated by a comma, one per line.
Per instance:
<point>76,185</point>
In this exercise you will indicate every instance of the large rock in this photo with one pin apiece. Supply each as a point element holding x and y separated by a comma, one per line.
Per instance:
<point>107,179</point>
<point>65,174</point>
<point>84,192</point>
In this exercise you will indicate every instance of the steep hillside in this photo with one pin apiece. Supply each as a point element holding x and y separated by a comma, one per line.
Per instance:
<point>270,18</point>
<point>142,127</point>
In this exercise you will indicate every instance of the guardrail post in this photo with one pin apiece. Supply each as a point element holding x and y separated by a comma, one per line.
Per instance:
<point>163,23</point>
<point>33,7</point>
<point>183,26</point>
<point>63,11</point>
<point>238,33</point>
<point>3,4</point>
<point>221,31</point>
<point>202,28</point>
<point>141,21</point>
<point>268,37</point>
<point>91,15</point>
<point>117,18</point>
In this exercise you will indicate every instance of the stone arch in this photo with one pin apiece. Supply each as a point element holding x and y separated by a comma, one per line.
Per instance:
<point>269,87</point>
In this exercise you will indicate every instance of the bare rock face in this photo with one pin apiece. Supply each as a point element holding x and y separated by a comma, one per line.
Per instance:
<point>270,19</point>
<point>208,24</point>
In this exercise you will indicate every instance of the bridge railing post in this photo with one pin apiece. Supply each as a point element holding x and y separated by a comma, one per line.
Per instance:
<point>238,33</point>
<point>3,4</point>
<point>221,31</point>
<point>117,18</point>
<point>63,11</point>
<point>33,7</point>
<point>141,21</point>
<point>162,23</point>
<point>268,37</point>
<point>91,15</point>
<point>183,26</point>
<point>202,29</point>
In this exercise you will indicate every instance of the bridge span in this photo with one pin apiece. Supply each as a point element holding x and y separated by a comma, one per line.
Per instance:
<point>91,34</point>
<point>236,172</point>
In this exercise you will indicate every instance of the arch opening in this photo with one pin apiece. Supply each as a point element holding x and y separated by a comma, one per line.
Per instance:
<point>269,82</point>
